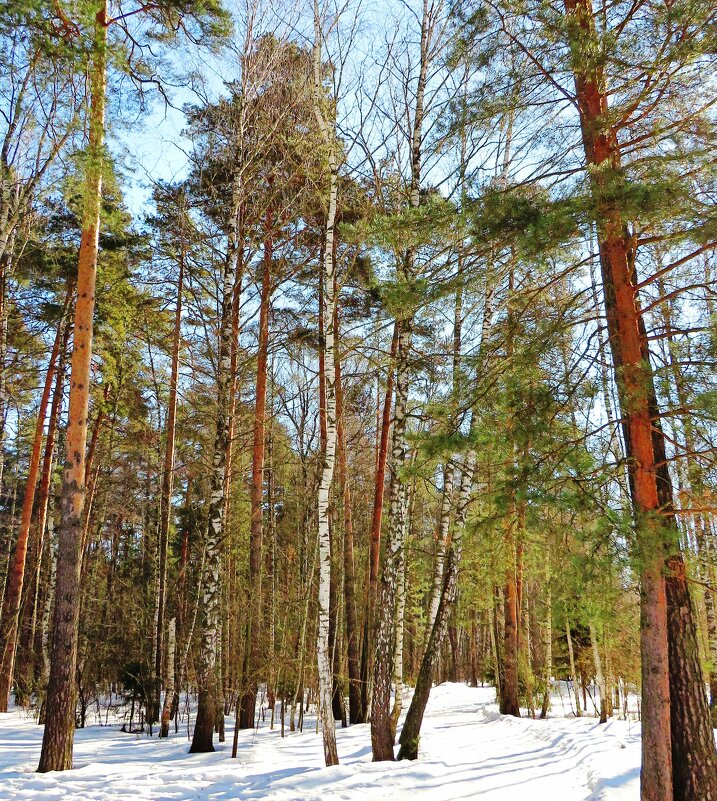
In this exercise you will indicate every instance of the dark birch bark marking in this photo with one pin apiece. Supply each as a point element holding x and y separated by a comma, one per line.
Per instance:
<point>323,653</point>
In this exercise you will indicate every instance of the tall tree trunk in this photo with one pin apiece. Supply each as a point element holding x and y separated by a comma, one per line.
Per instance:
<point>375,536</point>
<point>400,632</point>
<point>47,609</point>
<point>252,643</point>
<point>228,631</point>
<point>58,737</point>
<point>412,725</point>
<point>166,508</point>
<point>13,592</point>
<point>678,754</point>
<point>381,730</point>
<point>181,632</point>
<point>323,653</point>
<point>210,708</point>
<point>356,711</point>
<point>381,734</point>
<point>45,486</point>
<point>697,488</point>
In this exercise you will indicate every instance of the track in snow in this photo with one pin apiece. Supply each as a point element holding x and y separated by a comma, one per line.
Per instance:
<point>467,751</point>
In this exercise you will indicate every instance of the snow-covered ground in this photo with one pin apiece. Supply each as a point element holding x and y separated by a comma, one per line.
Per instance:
<point>468,751</point>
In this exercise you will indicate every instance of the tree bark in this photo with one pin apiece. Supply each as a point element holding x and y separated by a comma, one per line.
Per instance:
<point>169,688</point>
<point>573,672</point>
<point>444,520</point>
<point>381,735</point>
<point>210,708</point>
<point>381,730</point>
<point>678,755</point>
<point>252,645</point>
<point>13,591</point>
<point>166,504</point>
<point>356,711</point>
<point>410,733</point>
<point>509,702</point>
<point>548,640</point>
<point>323,653</point>
<point>599,675</point>
<point>57,742</point>
<point>375,536</point>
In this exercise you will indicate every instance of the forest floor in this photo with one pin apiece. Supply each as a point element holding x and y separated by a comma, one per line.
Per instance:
<point>468,750</point>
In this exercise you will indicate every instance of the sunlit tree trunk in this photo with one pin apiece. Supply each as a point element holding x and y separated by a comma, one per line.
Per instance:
<point>13,592</point>
<point>381,729</point>
<point>444,520</point>
<point>400,631</point>
<point>409,738</point>
<point>573,671</point>
<point>509,702</point>
<point>381,734</point>
<point>599,675</point>
<point>209,684</point>
<point>356,713</point>
<point>166,507</point>
<point>678,754</point>
<point>548,644</point>
<point>375,536</point>
<point>169,687</point>
<point>58,737</point>
<point>252,643</point>
<point>324,656</point>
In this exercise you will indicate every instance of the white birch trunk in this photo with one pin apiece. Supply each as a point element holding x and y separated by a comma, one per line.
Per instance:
<point>441,544</point>
<point>169,679</point>
<point>599,675</point>
<point>211,575</point>
<point>329,456</point>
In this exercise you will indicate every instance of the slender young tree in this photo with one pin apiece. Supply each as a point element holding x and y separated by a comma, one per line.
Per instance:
<point>382,735</point>
<point>328,278</point>
<point>168,475</point>
<point>13,592</point>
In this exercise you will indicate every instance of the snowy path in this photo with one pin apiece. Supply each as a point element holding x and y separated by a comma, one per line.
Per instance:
<point>467,751</point>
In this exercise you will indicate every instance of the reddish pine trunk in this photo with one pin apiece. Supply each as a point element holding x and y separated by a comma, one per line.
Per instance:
<point>375,538</point>
<point>694,760</point>
<point>90,476</point>
<point>43,494</point>
<point>675,729</point>
<point>16,578</point>
<point>252,645</point>
<point>57,743</point>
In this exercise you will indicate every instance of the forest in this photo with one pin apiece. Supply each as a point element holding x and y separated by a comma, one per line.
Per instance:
<point>357,390</point>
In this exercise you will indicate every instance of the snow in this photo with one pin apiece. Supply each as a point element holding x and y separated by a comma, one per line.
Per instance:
<point>468,750</point>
